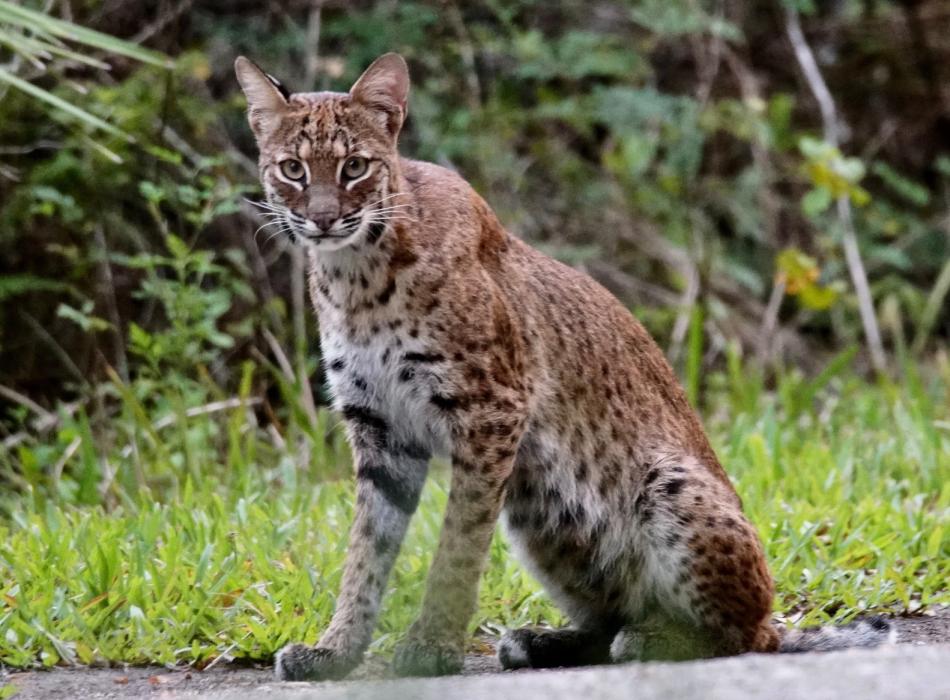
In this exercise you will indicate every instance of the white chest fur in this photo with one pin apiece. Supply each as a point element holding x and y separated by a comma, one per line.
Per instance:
<point>374,374</point>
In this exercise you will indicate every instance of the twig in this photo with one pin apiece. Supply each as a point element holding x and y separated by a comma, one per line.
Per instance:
<point>686,304</point>
<point>770,320</point>
<point>832,129</point>
<point>57,349</point>
<point>312,45</point>
<point>195,411</point>
<point>626,285</point>
<point>299,309</point>
<point>287,368</point>
<point>162,21</point>
<point>220,656</point>
<point>467,53</point>
<point>16,397</point>
<point>750,89</point>
<point>297,262</point>
<point>12,441</point>
<point>112,308</point>
<point>44,144</point>
<point>57,471</point>
<point>707,61</point>
<point>816,82</point>
<point>176,141</point>
<point>213,407</point>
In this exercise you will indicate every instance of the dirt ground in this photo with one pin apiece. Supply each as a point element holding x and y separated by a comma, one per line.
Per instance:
<point>160,682</point>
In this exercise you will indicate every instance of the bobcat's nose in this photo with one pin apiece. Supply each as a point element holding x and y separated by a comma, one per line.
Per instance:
<point>323,220</point>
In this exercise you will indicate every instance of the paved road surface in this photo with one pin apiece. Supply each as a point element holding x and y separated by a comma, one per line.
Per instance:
<point>919,669</point>
<point>895,673</point>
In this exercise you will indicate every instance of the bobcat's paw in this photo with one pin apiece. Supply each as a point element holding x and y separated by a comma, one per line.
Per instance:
<point>514,649</point>
<point>299,662</point>
<point>427,657</point>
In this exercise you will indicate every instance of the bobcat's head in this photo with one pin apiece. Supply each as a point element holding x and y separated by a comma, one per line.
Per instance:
<point>328,160</point>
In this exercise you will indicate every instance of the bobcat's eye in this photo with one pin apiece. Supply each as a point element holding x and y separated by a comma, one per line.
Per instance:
<point>292,169</point>
<point>354,167</point>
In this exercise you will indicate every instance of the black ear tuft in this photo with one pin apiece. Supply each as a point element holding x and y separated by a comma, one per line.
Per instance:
<point>284,92</point>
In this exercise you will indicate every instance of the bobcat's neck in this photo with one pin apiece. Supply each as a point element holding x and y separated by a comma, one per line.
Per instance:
<point>363,279</point>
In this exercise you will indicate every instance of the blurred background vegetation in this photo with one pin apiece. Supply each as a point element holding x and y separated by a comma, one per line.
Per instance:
<point>679,151</point>
<point>765,183</point>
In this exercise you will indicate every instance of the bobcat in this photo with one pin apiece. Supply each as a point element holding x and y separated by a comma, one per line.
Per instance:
<point>442,333</point>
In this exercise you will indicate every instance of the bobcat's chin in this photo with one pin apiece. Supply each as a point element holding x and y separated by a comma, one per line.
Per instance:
<point>310,237</point>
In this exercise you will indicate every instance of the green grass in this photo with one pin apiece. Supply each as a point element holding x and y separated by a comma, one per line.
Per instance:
<point>208,538</point>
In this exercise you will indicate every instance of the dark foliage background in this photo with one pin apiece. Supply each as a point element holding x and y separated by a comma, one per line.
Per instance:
<point>673,149</point>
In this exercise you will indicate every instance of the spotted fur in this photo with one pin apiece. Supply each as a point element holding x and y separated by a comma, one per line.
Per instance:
<point>441,333</point>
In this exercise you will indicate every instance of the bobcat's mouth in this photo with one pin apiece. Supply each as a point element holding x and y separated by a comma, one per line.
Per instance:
<point>337,237</point>
<point>327,235</point>
<point>348,226</point>
<point>301,231</point>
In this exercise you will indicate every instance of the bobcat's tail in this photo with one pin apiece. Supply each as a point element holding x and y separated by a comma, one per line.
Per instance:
<point>867,632</point>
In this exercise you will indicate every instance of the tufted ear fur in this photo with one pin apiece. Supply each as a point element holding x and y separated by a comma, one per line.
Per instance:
<point>266,97</point>
<point>384,88</point>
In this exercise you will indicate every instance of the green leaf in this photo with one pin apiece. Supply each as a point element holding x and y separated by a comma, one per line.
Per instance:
<point>815,149</point>
<point>851,169</point>
<point>83,317</point>
<point>177,247</point>
<point>902,186</point>
<point>816,201</point>
<point>934,542</point>
<point>35,47</point>
<point>12,285</point>
<point>152,192</point>
<point>139,337</point>
<point>817,298</point>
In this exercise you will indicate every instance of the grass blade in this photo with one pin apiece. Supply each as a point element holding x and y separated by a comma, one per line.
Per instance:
<point>61,104</point>
<point>39,22</point>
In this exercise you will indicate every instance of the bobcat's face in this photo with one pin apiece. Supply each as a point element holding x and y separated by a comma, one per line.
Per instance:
<point>328,161</point>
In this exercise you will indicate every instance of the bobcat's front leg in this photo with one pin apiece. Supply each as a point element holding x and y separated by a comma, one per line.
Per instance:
<point>435,644</point>
<point>389,480</point>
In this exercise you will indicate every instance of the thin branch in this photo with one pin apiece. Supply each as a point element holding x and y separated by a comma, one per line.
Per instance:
<point>770,321</point>
<point>57,349</point>
<point>107,285</point>
<point>195,411</point>
<point>466,49</point>
<point>832,130</point>
<point>162,21</point>
<point>213,407</point>
<point>16,397</point>
<point>286,367</point>
<point>44,144</point>
<point>298,267</point>
<point>312,45</point>
<point>816,83</point>
<point>681,325</point>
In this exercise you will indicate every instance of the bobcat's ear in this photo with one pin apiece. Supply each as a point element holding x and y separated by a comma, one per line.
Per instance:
<point>384,88</point>
<point>266,97</point>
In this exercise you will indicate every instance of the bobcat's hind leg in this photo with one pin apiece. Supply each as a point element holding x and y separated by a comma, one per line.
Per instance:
<point>540,648</point>
<point>662,638</point>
